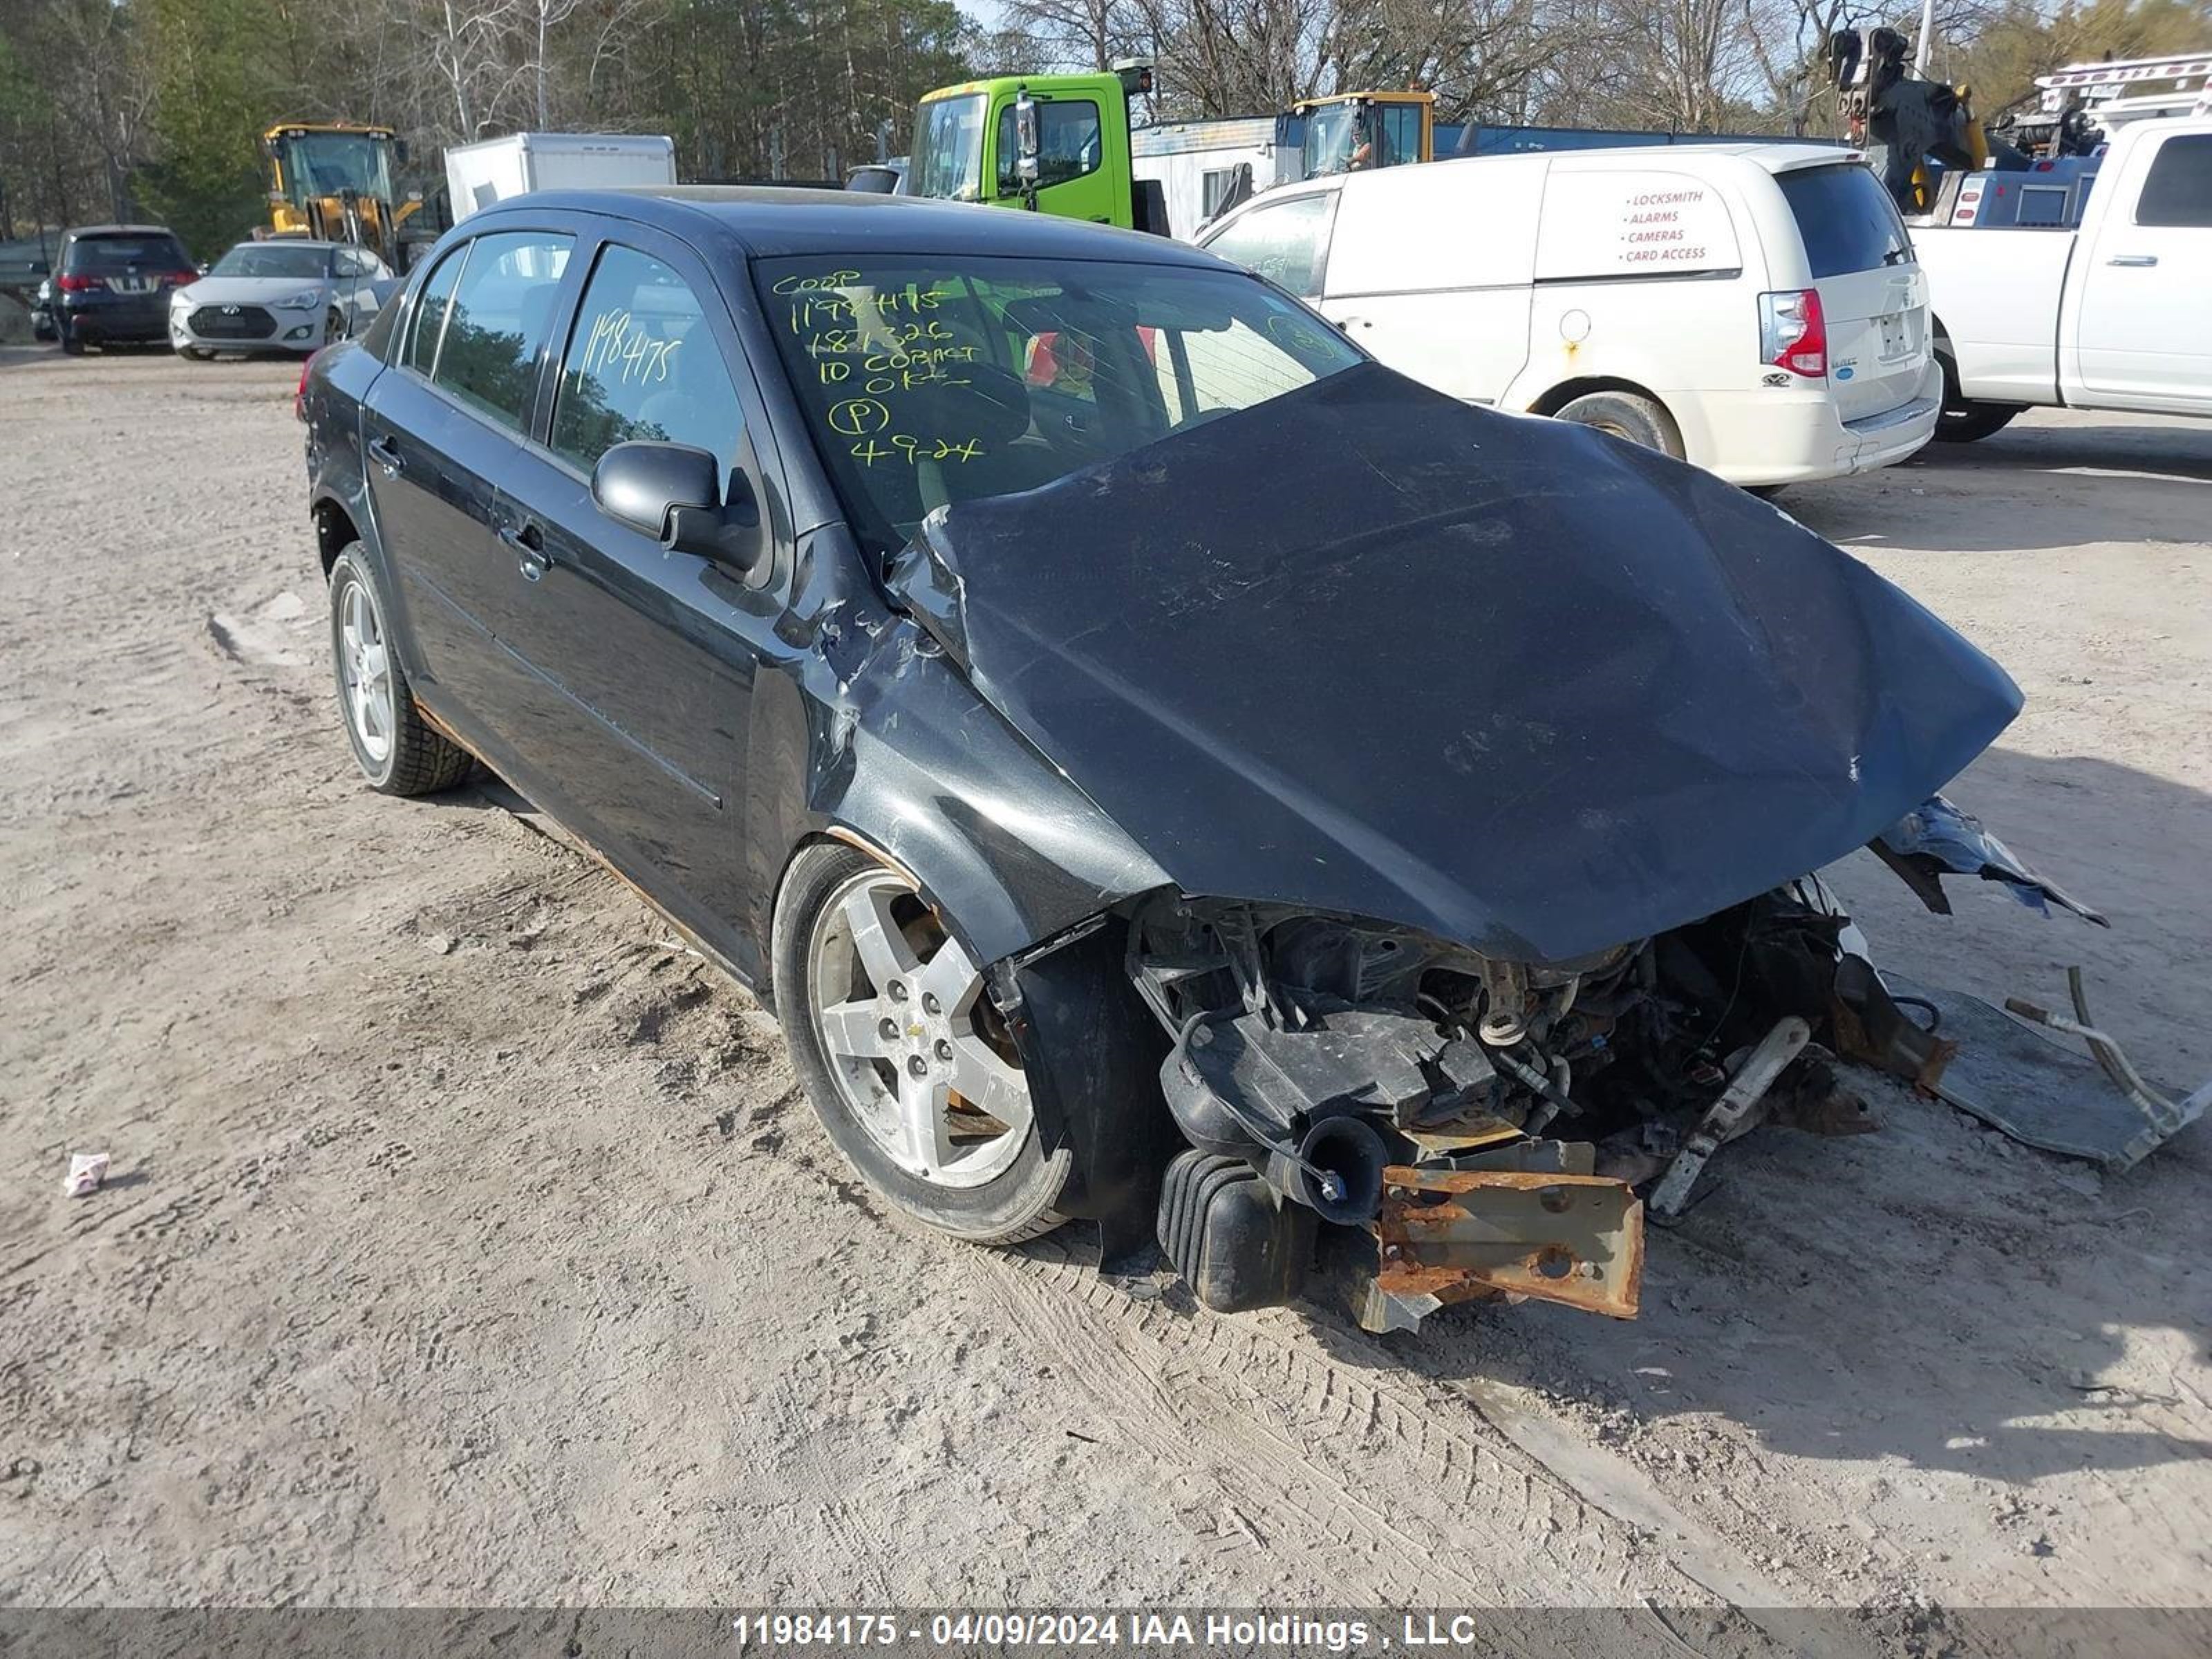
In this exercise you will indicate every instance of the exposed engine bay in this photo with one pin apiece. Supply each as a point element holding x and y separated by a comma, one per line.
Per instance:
<point>1489,1124</point>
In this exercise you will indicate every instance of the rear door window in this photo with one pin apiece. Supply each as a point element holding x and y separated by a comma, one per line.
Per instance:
<point>428,326</point>
<point>642,365</point>
<point>1286,242</point>
<point>1846,217</point>
<point>503,308</point>
<point>2179,191</point>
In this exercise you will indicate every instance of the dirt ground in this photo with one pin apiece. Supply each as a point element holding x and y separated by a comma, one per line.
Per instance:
<point>468,1243</point>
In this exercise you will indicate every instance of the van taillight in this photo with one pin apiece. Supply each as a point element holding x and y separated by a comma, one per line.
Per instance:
<point>1793,334</point>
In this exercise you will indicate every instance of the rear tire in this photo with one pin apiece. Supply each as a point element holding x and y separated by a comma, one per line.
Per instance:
<point>855,953</point>
<point>1965,419</point>
<point>1626,415</point>
<point>397,751</point>
<point>72,341</point>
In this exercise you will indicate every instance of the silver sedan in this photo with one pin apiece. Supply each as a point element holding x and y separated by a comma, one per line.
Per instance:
<point>288,295</point>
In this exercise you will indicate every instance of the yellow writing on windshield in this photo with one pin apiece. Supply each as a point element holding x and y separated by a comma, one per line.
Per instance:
<point>882,350</point>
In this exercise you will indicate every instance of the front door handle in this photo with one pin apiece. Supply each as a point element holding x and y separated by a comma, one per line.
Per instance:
<point>2135,259</point>
<point>527,543</point>
<point>381,450</point>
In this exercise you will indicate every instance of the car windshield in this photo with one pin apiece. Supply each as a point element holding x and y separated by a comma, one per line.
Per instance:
<point>948,150</point>
<point>123,252</point>
<point>273,260</point>
<point>929,381</point>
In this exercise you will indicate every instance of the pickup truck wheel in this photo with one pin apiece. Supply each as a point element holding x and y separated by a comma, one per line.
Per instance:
<point>1624,414</point>
<point>1964,419</point>
<point>397,751</point>
<point>906,1062</point>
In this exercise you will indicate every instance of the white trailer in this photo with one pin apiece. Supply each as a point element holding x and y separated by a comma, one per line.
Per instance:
<point>1196,162</point>
<point>493,169</point>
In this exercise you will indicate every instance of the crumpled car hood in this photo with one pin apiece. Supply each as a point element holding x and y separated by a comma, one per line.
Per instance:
<point>1364,649</point>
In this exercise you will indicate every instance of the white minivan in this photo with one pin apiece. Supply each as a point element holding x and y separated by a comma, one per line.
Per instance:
<point>1753,308</point>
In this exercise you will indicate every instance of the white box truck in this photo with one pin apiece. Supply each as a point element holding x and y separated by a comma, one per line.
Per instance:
<point>493,169</point>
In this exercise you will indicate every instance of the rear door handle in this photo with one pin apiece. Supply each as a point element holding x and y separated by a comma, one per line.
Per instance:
<point>2137,259</point>
<point>381,452</point>
<point>527,543</point>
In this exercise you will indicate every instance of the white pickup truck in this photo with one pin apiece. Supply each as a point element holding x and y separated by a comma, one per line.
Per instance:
<point>2116,314</point>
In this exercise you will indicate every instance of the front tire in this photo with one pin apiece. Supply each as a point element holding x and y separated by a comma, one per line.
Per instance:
<point>904,1058</point>
<point>396,751</point>
<point>1626,415</point>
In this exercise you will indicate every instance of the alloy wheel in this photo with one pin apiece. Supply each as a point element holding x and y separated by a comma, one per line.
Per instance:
<point>365,667</point>
<point>919,1055</point>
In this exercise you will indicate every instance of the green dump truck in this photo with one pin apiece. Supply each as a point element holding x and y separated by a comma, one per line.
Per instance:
<point>1061,144</point>
<point>1058,143</point>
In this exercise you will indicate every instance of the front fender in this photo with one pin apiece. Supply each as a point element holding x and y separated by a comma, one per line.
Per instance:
<point>886,744</point>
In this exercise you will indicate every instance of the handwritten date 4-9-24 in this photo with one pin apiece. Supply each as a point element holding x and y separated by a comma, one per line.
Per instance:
<point>897,447</point>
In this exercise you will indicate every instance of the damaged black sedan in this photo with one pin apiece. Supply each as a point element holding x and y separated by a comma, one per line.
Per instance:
<point>1163,768</point>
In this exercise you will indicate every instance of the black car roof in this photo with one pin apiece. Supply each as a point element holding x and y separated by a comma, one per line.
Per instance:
<point>119,230</point>
<point>767,222</point>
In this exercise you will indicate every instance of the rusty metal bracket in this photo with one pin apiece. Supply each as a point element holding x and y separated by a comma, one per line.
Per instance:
<point>1449,1235</point>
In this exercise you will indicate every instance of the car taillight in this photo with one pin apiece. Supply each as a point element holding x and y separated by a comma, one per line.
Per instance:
<point>300,393</point>
<point>178,278</point>
<point>1793,334</point>
<point>70,283</point>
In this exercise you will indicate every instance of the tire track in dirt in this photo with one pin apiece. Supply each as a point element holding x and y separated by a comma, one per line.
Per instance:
<point>1310,1431</point>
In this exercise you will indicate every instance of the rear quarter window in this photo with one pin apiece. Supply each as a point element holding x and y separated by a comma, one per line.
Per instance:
<point>2179,191</point>
<point>1845,219</point>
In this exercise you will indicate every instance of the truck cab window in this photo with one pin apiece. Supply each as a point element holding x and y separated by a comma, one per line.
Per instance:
<point>1067,143</point>
<point>2178,193</point>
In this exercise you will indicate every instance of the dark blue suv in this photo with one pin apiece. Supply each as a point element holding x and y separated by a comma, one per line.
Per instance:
<point>112,284</point>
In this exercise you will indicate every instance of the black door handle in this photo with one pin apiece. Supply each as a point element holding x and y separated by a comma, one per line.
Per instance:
<point>381,452</point>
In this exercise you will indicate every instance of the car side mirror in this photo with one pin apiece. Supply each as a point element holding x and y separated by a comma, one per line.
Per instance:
<point>673,493</point>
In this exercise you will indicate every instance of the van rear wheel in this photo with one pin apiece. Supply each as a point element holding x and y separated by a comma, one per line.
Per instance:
<point>1626,415</point>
